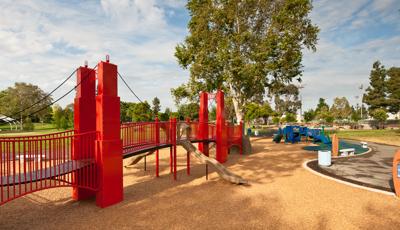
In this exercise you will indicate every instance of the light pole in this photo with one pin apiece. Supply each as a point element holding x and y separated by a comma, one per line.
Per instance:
<point>361,97</point>
<point>300,87</point>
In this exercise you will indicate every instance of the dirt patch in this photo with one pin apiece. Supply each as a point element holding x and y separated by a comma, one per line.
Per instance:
<point>282,195</point>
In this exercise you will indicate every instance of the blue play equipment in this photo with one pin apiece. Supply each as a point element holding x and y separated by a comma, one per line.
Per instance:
<point>293,134</point>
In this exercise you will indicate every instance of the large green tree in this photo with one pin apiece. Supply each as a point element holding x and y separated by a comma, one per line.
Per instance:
<point>375,96</point>
<point>255,111</point>
<point>309,115</point>
<point>286,98</point>
<point>380,116</point>
<point>24,100</point>
<point>322,105</point>
<point>244,47</point>
<point>341,108</point>
<point>140,111</point>
<point>190,110</point>
<point>393,88</point>
<point>156,106</point>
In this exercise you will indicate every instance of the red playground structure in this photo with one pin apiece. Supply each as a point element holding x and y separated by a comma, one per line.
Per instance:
<point>90,158</point>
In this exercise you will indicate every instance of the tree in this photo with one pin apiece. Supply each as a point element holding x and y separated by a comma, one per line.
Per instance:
<point>290,117</point>
<point>63,118</point>
<point>17,101</point>
<point>28,125</point>
<point>69,115</point>
<point>64,122</point>
<point>190,110</point>
<point>165,115</point>
<point>379,115</point>
<point>375,96</point>
<point>322,105</point>
<point>355,114</point>
<point>140,111</point>
<point>57,115</point>
<point>156,106</point>
<point>325,115</point>
<point>252,112</point>
<point>393,88</point>
<point>309,115</point>
<point>341,108</point>
<point>124,114</point>
<point>212,116</point>
<point>287,99</point>
<point>266,111</point>
<point>244,47</point>
<point>256,111</point>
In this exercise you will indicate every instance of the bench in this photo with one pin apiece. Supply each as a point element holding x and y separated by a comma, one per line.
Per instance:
<point>347,152</point>
<point>364,145</point>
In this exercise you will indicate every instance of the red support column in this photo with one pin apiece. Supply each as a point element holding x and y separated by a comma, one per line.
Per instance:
<point>203,123</point>
<point>108,144</point>
<point>221,139</point>
<point>187,152</point>
<point>84,121</point>
<point>174,144</point>
<point>171,140</point>
<point>157,143</point>
<point>241,138</point>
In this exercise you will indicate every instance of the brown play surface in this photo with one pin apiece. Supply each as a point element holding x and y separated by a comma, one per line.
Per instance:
<point>282,195</point>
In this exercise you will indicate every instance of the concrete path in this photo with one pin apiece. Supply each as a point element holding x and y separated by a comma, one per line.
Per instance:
<point>374,168</point>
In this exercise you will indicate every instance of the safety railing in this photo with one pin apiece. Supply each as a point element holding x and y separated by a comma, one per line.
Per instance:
<point>235,135</point>
<point>33,163</point>
<point>137,136</point>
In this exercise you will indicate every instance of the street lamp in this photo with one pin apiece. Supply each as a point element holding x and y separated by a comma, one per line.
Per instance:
<point>301,86</point>
<point>361,97</point>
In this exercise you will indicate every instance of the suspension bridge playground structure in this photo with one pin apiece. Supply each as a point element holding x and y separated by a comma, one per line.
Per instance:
<point>90,158</point>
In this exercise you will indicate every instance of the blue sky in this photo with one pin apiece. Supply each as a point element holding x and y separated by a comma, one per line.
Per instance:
<point>43,41</point>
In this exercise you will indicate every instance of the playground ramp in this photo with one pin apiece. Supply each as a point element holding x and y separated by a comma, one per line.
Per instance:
<point>222,171</point>
<point>139,158</point>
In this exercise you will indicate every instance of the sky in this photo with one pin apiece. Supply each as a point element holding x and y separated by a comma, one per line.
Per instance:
<point>42,42</point>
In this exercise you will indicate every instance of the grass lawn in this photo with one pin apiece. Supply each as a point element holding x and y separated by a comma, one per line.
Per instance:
<point>40,128</point>
<point>391,137</point>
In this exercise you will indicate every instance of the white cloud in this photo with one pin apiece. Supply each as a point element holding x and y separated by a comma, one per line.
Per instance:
<point>42,43</point>
<point>140,16</point>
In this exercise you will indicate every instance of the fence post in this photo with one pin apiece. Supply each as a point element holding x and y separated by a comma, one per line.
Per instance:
<point>84,121</point>
<point>157,144</point>
<point>221,139</point>
<point>108,143</point>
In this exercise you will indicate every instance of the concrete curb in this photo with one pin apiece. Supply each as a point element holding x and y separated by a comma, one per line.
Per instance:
<point>345,182</point>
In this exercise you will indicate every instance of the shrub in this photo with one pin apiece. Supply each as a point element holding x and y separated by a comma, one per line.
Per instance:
<point>28,125</point>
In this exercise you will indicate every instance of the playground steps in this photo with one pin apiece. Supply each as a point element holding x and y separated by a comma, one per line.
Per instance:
<point>222,171</point>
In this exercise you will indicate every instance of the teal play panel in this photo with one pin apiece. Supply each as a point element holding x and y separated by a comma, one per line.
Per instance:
<point>342,145</point>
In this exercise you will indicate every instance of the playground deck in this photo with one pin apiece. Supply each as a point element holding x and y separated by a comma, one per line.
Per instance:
<point>282,195</point>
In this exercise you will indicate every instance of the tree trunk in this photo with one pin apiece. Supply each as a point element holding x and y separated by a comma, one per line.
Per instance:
<point>236,106</point>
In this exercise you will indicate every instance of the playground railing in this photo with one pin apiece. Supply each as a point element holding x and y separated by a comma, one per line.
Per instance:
<point>33,163</point>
